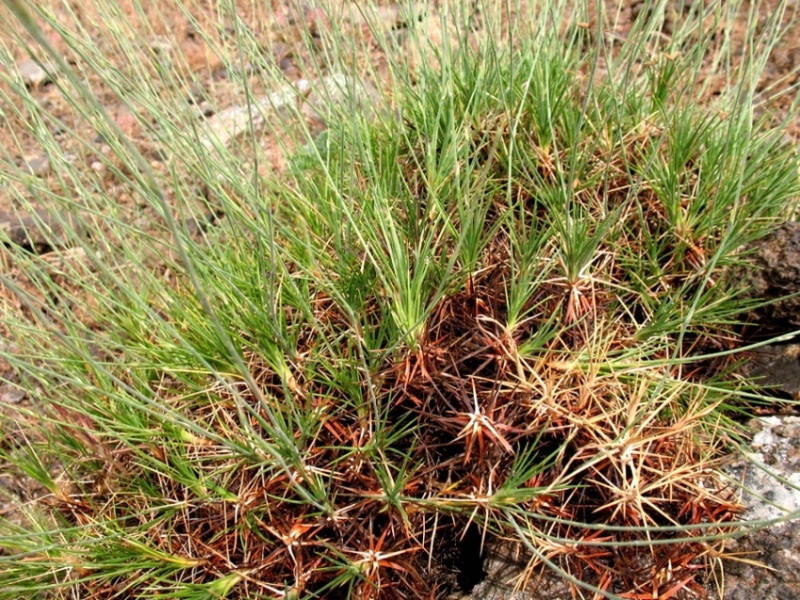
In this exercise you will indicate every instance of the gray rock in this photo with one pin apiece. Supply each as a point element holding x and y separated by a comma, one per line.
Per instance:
<point>160,45</point>
<point>392,15</point>
<point>233,72</point>
<point>776,446</point>
<point>283,56</point>
<point>336,93</point>
<point>196,94</point>
<point>225,126</point>
<point>776,276</point>
<point>196,225</point>
<point>398,36</point>
<point>775,367</point>
<point>58,129</point>
<point>38,165</point>
<point>503,574</point>
<point>40,231</point>
<point>33,74</point>
<point>11,395</point>
<point>157,154</point>
<point>205,109</point>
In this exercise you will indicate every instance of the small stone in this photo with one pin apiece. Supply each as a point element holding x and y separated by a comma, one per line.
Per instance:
<point>97,167</point>
<point>195,226</point>
<point>286,63</point>
<point>11,395</point>
<point>776,367</point>
<point>231,123</point>
<point>38,165</point>
<point>206,109</point>
<point>40,231</point>
<point>160,45</point>
<point>157,154</point>
<point>283,56</point>
<point>303,87</point>
<point>232,73</point>
<point>58,129</point>
<point>33,74</point>
<point>391,16</point>
<point>398,36</point>
<point>197,94</point>
<point>329,94</point>
<point>320,99</point>
<point>775,276</point>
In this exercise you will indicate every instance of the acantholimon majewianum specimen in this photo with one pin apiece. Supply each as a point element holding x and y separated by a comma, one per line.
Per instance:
<point>498,310</point>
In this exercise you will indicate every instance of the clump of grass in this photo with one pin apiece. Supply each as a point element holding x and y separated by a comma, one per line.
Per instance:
<point>501,311</point>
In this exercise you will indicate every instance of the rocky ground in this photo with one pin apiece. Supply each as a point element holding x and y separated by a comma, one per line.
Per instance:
<point>767,562</point>
<point>217,96</point>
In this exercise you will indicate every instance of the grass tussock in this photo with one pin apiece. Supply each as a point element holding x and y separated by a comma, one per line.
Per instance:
<point>500,307</point>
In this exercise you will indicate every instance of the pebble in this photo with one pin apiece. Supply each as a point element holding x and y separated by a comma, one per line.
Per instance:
<point>323,98</point>
<point>398,36</point>
<point>58,129</point>
<point>317,99</point>
<point>195,226</point>
<point>197,94</point>
<point>231,123</point>
<point>39,231</point>
<point>206,109</point>
<point>283,56</point>
<point>33,74</point>
<point>286,63</point>
<point>160,45</point>
<point>157,154</point>
<point>776,366</point>
<point>11,395</point>
<point>38,165</point>
<point>233,73</point>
